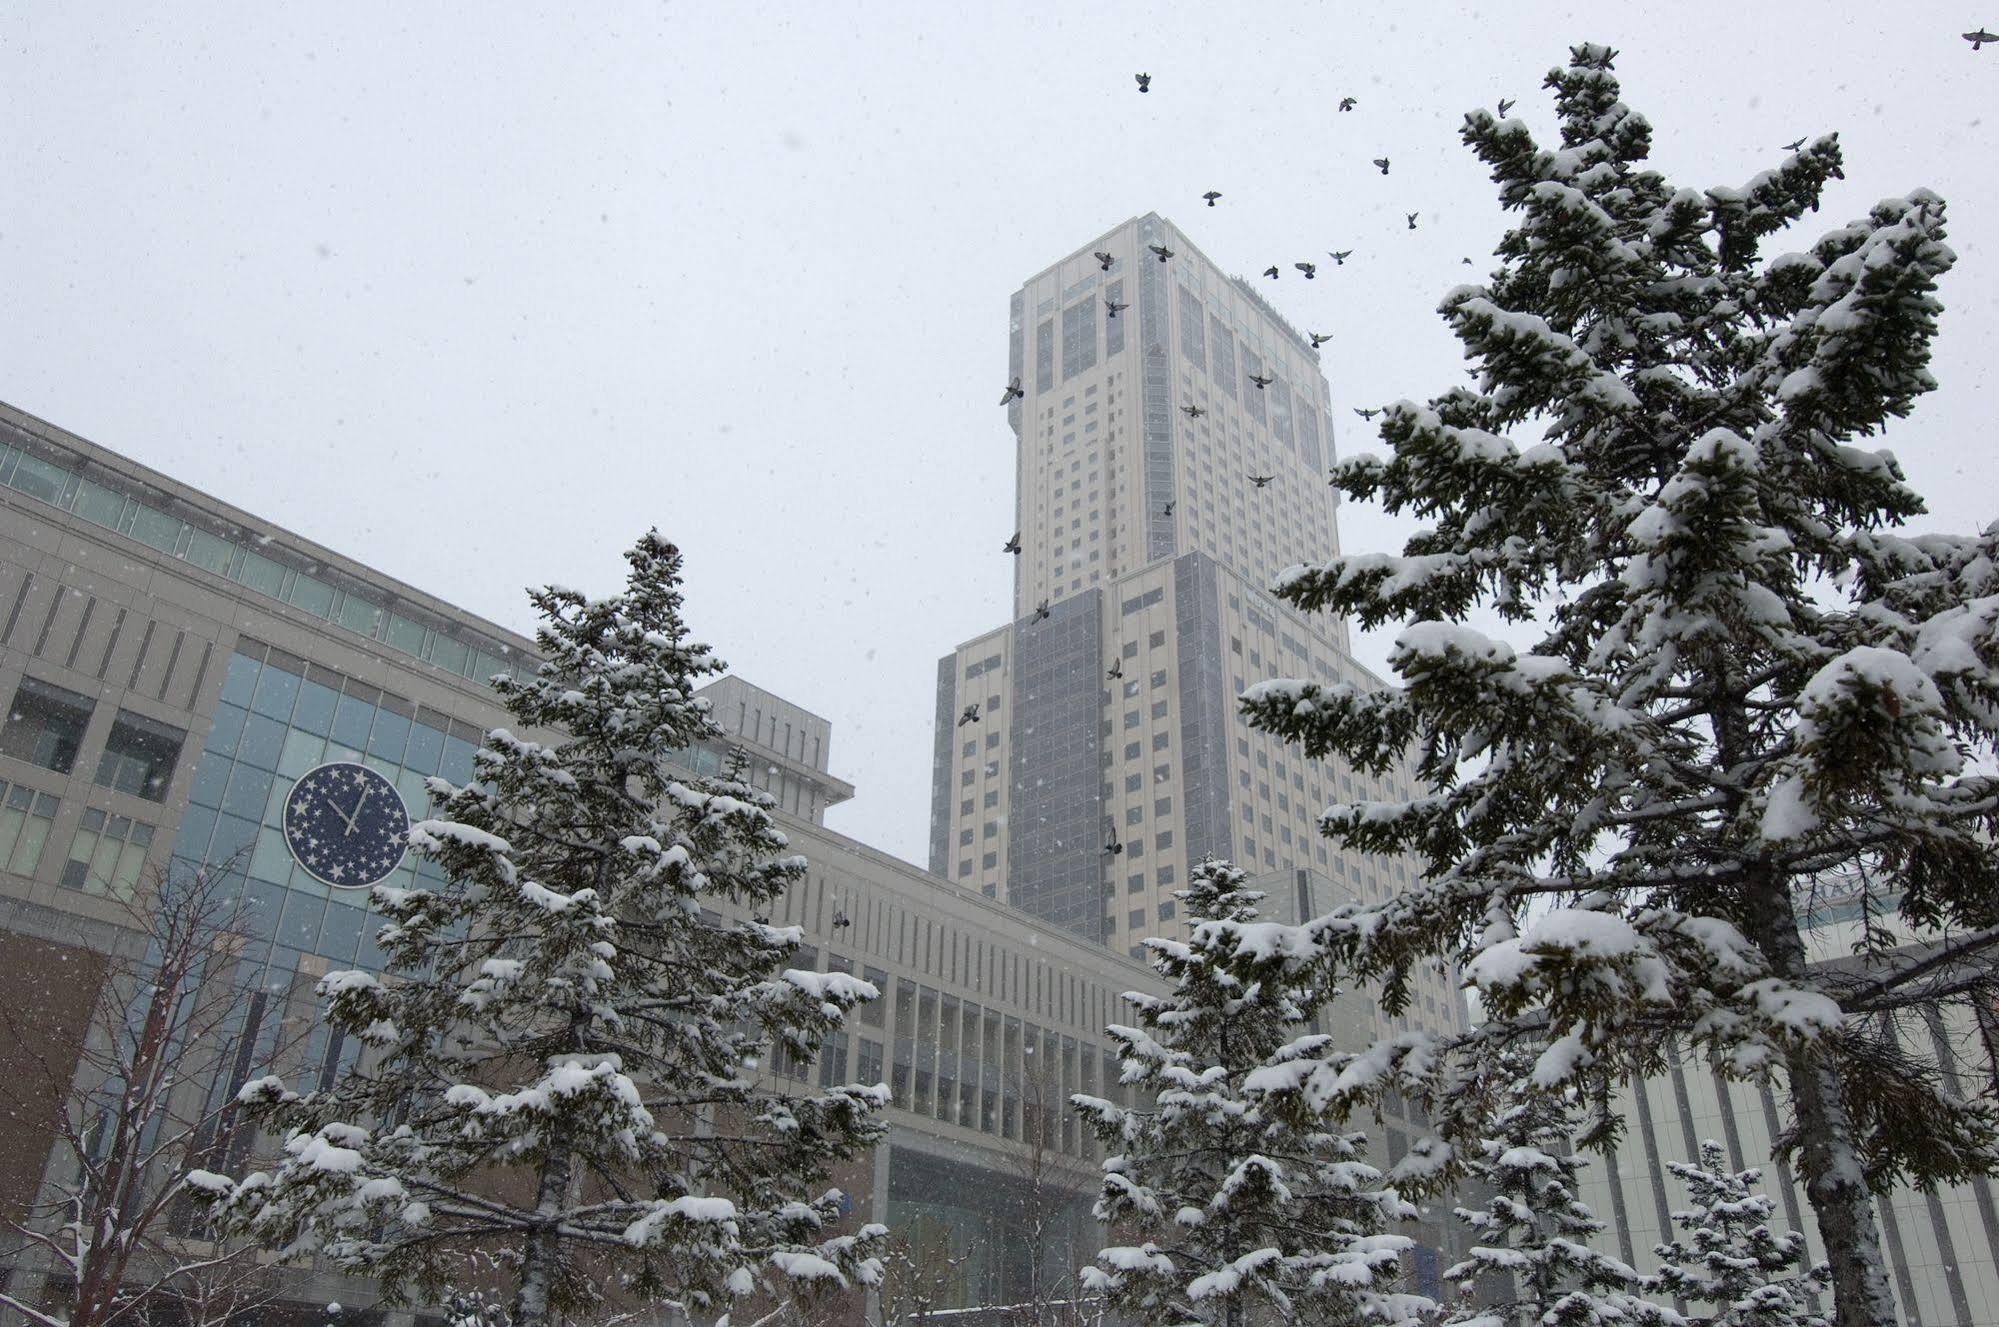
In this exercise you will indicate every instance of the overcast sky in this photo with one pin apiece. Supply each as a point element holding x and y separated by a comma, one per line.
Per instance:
<point>477,293</point>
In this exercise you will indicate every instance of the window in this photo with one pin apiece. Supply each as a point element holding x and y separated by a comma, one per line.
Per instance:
<point>45,725</point>
<point>990,860</point>
<point>139,756</point>
<point>106,855</point>
<point>1168,908</point>
<point>1158,638</point>
<point>1160,741</point>
<point>25,818</point>
<point>992,799</point>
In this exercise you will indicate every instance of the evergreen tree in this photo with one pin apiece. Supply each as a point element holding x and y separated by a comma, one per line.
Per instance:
<point>1729,1257</point>
<point>1239,1213</point>
<point>1534,1232</point>
<point>1745,680</point>
<point>564,1059</point>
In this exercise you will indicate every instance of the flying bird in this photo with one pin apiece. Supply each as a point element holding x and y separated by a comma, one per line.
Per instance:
<point>1192,411</point>
<point>1012,545</point>
<point>1041,610</point>
<point>971,714</point>
<point>1104,260</point>
<point>1367,414</point>
<point>1272,272</point>
<point>1116,670</point>
<point>1169,510</point>
<point>1319,338</point>
<point>1504,107</point>
<point>1211,196</point>
<point>1261,481</point>
<point>1012,392</point>
<point>1980,37</point>
<point>1113,308</point>
<point>1309,269</point>
<point>1412,220</point>
<point>1339,256</point>
<point>1144,82</point>
<point>1383,163</point>
<point>1160,249</point>
<point>1794,145</point>
<point>1465,261</point>
<point>1346,103</point>
<point>1113,847</point>
<point>1262,381</point>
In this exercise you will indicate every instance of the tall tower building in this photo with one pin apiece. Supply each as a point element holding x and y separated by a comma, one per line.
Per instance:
<point>1171,462</point>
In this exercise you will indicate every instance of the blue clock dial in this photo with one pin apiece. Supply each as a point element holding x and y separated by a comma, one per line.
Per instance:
<point>346,825</point>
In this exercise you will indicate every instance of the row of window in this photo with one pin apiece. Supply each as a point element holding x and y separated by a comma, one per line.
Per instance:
<point>101,505</point>
<point>46,725</point>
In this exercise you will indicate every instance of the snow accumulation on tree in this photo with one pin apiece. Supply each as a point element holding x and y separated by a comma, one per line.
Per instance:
<point>1533,1235</point>
<point>1239,1209</point>
<point>1727,1257</point>
<point>564,1065</point>
<point>1744,680</point>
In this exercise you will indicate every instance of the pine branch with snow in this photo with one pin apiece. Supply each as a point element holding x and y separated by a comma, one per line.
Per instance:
<point>1743,680</point>
<point>565,1057</point>
<point>1729,1258</point>
<point>1233,1209</point>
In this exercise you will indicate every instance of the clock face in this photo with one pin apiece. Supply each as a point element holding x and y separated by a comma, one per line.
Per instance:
<point>346,825</point>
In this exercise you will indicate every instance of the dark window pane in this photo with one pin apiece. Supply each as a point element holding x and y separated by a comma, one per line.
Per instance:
<point>45,725</point>
<point>139,756</point>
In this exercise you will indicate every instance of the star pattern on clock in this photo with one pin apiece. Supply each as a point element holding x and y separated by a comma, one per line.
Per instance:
<point>346,824</point>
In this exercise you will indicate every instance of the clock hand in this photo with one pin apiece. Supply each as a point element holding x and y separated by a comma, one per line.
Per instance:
<point>359,802</point>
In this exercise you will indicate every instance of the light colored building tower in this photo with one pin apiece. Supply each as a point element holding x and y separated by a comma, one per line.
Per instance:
<point>1171,463</point>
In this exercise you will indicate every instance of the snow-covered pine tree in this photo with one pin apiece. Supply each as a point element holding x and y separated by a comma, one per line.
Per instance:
<point>1533,1235</point>
<point>1729,1258</point>
<point>1238,1214</point>
<point>564,1065</point>
<point>1744,681</point>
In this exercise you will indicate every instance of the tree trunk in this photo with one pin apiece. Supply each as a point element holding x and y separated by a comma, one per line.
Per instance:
<point>1833,1180</point>
<point>1831,1166</point>
<point>541,1254</point>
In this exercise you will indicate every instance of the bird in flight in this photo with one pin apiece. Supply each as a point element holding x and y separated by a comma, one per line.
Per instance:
<point>1261,380</point>
<point>1261,481</point>
<point>1504,107</point>
<point>1309,269</point>
<point>1144,82</point>
<point>1319,338</point>
<point>1794,145</point>
<point>1211,196</point>
<point>1346,103</point>
<point>1980,37</point>
<point>1271,272</point>
<point>1104,260</point>
<point>971,714</point>
<point>1160,249</point>
<point>1116,670</point>
<point>1383,163</point>
<point>1113,847</point>
<point>1012,392</point>
<point>1412,221</point>
<point>1012,545</point>
<point>1465,261</point>
<point>1339,256</point>
<point>1168,511</point>
<point>1041,610</point>
<point>1192,411</point>
<point>1367,414</point>
<point>1113,308</point>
